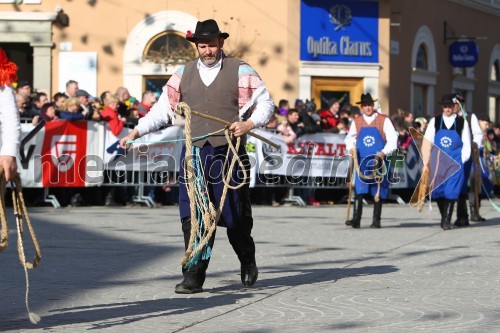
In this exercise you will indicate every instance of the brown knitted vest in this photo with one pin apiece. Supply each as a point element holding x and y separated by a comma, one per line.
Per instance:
<point>378,123</point>
<point>219,99</point>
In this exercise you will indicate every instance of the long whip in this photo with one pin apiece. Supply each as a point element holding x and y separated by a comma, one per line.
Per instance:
<point>21,215</point>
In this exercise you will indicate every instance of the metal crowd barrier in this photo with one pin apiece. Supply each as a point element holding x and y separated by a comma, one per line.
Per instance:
<point>141,179</point>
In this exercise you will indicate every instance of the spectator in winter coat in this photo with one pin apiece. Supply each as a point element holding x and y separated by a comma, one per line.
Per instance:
<point>111,116</point>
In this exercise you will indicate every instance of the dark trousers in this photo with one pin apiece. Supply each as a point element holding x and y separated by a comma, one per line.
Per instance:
<point>240,236</point>
<point>238,220</point>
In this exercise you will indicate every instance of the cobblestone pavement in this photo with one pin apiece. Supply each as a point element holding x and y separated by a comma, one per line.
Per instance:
<point>114,270</point>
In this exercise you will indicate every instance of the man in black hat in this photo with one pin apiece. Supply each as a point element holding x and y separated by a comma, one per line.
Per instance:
<point>450,135</point>
<point>471,187</point>
<point>225,88</point>
<point>371,136</point>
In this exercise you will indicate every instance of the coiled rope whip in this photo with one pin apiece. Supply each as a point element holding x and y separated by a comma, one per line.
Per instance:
<point>204,215</point>
<point>376,176</point>
<point>21,215</point>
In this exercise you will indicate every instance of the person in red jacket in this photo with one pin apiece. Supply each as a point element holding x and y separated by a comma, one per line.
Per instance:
<point>330,116</point>
<point>111,116</point>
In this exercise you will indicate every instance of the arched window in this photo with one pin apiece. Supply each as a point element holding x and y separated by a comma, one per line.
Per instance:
<point>422,58</point>
<point>494,86</point>
<point>169,48</point>
<point>419,108</point>
<point>424,73</point>
<point>495,75</point>
<point>164,29</point>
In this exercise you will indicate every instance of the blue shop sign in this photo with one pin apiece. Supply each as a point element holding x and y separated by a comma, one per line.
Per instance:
<point>463,54</point>
<point>339,30</point>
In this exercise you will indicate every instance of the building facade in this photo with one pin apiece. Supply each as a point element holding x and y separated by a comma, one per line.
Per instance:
<point>406,53</point>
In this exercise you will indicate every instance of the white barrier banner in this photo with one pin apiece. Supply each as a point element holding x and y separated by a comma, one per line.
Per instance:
<point>158,151</point>
<point>75,154</point>
<point>311,155</point>
<point>31,176</point>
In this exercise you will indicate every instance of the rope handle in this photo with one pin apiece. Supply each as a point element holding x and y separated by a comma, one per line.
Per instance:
<point>199,202</point>
<point>378,177</point>
<point>21,215</point>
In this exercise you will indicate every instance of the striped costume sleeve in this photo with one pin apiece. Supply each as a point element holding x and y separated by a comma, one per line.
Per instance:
<point>253,98</point>
<point>174,88</point>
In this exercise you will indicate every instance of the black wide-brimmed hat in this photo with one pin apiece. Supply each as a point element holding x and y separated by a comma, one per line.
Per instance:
<point>208,29</point>
<point>448,99</point>
<point>366,99</point>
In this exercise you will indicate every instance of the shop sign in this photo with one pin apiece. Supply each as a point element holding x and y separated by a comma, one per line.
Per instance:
<point>463,54</point>
<point>340,31</point>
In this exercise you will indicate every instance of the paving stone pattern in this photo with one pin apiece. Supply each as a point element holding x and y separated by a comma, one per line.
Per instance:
<point>114,270</point>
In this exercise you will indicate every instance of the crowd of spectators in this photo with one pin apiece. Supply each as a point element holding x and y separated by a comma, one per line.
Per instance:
<point>117,109</point>
<point>120,109</point>
<point>336,117</point>
<point>306,118</point>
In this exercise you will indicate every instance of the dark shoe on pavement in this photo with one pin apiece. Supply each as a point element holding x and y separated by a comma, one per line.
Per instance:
<point>110,201</point>
<point>77,200</point>
<point>477,218</point>
<point>249,274</point>
<point>448,212</point>
<point>188,286</point>
<point>377,212</point>
<point>461,223</point>
<point>355,223</point>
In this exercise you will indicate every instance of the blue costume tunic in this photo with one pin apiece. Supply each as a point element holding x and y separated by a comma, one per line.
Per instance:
<point>449,141</point>
<point>368,143</point>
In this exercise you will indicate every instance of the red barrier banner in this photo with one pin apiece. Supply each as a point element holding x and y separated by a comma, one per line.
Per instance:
<point>64,153</point>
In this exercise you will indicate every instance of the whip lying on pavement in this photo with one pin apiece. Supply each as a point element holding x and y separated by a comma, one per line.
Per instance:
<point>21,215</point>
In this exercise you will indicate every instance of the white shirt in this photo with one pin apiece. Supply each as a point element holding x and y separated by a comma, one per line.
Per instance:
<point>208,74</point>
<point>391,136</point>
<point>430,133</point>
<point>9,122</point>
<point>161,113</point>
<point>477,133</point>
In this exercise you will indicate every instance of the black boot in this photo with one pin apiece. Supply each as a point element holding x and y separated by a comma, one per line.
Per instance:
<point>377,212</point>
<point>358,211</point>
<point>440,204</point>
<point>77,200</point>
<point>110,199</point>
<point>462,214</point>
<point>240,237</point>
<point>474,214</point>
<point>194,276</point>
<point>249,274</point>
<point>448,213</point>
